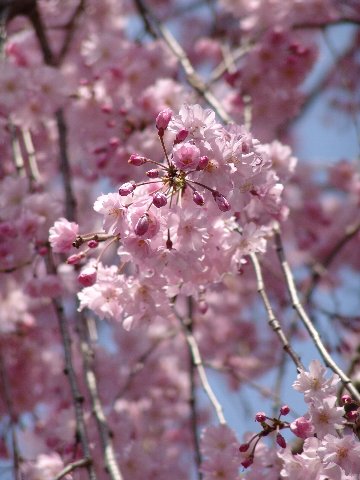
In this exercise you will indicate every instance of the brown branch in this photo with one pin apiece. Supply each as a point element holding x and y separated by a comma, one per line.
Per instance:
<point>78,399</point>
<point>6,395</point>
<point>105,433</point>
<point>158,30</point>
<point>198,364</point>
<point>192,396</point>
<point>70,31</point>
<point>305,319</point>
<point>272,320</point>
<point>84,462</point>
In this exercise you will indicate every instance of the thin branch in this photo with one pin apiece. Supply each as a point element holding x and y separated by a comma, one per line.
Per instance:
<point>70,31</point>
<point>70,201</point>
<point>320,268</point>
<point>84,462</point>
<point>192,397</point>
<point>31,155</point>
<point>78,398</point>
<point>16,150</point>
<point>198,363</point>
<point>325,24</point>
<point>105,433</point>
<point>158,30</point>
<point>314,334</point>
<point>6,394</point>
<point>272,320</point>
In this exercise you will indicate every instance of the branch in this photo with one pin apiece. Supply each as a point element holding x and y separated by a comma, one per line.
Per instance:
<point>198,364</point>
<point>314,334</point>
<point>84,462</point>
<point>272,320</point>
<point>325,24</point>
<point>319,268</point>
<point>70,31</point>
<point>111,465</point>
<point>6,395</point>
<point>158,30</point>
<point>192,398</point>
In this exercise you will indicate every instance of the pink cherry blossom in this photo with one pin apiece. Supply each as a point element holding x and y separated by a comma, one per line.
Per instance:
<point>62,235</point>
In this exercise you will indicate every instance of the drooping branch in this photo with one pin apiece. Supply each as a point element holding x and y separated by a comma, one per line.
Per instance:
<point>105,433</point>
<point>198,364</point>
<point>272,320</point>
<point>305,319</point>
<point>84,462</point>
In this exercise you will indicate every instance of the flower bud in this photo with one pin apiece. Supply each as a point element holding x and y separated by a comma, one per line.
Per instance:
<point>280,440</point>
<point>142,225</point>
<point>244,447</point>
<point>159,199</point>
<point>353,415</point>
<point>154,173</point>
<point>75,259</point>
<point>180,137</point>
<point>346,399</point>
<point>260,417</point>
<point>203,163</point>
<point>221,202</point>
<point>198,198</point>
<point>202,307</point>
<point>247,462</point>
<point>127,188</point>
<point>163,119</point>
<point>87,277</point>
<point>137,160</point>
<point>92,243</point>
<point>284,410</point>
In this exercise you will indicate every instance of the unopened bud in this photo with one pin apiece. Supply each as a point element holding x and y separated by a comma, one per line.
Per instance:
<point>202,307</point>
<point>244,447</point>
<point>180,137</point>
<point>137,160</point>
<point>75,259</point>
<point>352,415</point>
<point>92,243</point>
<point>280,440</point>
<point>163,119</point>
<point>142,225</point>
<point>87,277</point>
<point>284,410</point>
<point>159,199</point>
<point>154,173</point>
<point>346,399</point>
<point>260,417</point>
<point>247,462</point>
<point>127,188</point>
<point>198,198</point>
<point>221,202</point>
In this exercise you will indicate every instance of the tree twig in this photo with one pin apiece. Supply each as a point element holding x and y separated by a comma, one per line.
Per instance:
<point>314,334</point>
<point>105,433</point>
<point>272,320</point>
<point>84,462</point>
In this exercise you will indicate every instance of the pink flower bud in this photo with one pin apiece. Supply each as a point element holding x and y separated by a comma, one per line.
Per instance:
<point>93,243</point>
<point>198,198</point>
<point>159,199</point>
<point>137,160</point>
<point>203,163</point>
<point>163,119</point>
<point>180,137</point>
<point>154,173</point>
<point>127,188</point>
<point>280,440</point>
<point>75,259</point>
<point>352,415</point>
<point>142,225</point>
<point>284,410</point>
<point>346,399</point>
<point>202,307</point>
<point>87,277</point>
<point>247,462</point>
<point>221,202</point>
<point>244,447</point>
<point>260,417</point>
